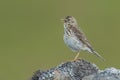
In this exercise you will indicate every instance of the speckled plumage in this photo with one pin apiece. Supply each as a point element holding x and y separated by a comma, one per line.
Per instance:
<point>74,38</point>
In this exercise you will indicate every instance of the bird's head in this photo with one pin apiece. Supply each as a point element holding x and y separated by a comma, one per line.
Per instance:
<point>70,20</point>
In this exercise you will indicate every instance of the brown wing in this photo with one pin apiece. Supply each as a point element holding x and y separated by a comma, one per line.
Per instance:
<point>80,35</point>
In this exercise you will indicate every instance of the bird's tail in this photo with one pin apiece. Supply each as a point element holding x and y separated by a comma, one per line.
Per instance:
<point>98,55</point>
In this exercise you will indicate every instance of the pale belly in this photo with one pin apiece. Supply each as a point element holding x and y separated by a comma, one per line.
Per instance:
<point>74,44</point>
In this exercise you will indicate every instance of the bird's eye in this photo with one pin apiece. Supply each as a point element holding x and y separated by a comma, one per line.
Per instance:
<point>68,19</point>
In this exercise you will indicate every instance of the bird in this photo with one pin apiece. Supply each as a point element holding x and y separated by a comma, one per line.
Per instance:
<point>75,39</point>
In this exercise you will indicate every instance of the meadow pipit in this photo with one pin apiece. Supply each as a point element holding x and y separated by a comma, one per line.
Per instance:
<point>75,39</point>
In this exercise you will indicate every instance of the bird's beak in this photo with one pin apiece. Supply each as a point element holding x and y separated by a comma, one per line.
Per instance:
<point>63,20</point>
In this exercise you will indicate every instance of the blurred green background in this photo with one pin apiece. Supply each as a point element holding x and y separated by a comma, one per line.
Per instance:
<point>31,34</point>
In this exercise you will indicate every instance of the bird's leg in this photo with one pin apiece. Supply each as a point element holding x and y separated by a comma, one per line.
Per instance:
<point>76,56</point>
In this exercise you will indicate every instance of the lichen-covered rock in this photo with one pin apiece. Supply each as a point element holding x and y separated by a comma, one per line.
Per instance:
<point>73,70</point>
<point>108,74</point>
<point>77,70</point>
